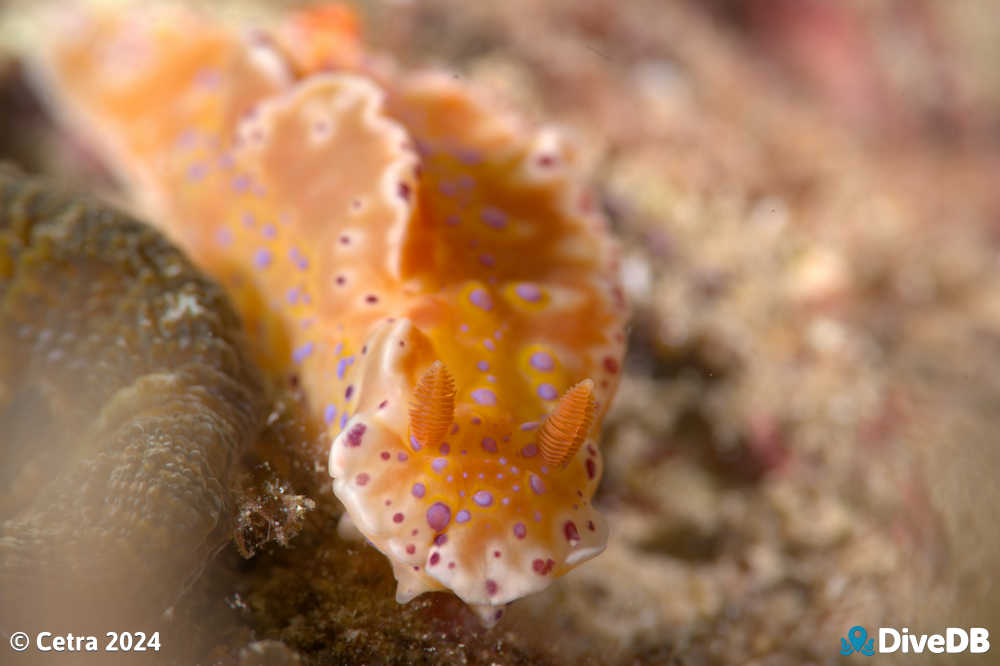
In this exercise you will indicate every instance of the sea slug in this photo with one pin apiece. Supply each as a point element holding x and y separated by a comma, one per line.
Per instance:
<point>428,270</point>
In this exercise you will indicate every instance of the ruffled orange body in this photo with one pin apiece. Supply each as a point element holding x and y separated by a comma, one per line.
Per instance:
<point>428,269</point>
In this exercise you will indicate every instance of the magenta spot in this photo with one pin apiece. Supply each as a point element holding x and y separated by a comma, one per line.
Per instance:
<point>348,392</point>
<point>385,455</point>
<point>303,352</point>
<point>542,361</point>
<point>418,490</point>
<point>611,365</point>
<point>397,517</point>
<point>402,456</point>
<point>547,392</point>
<point>528,292</point>
<point>529,451</point>
<point>570,532</point>
<point>489,444</point>
<point>496,554</point>
<point>361,479</point>
<point>371,298</point>
<point>404,191</point>
<point>444,449</point>
<point>542,567</point>
<point>483,498</point>
<point>484,397</point>
<point>410,549</point>
<point>329,414</point>
<point>481,299</point>
<point>463,516</point>
<point>383,404</point>
<point>483,365</point>
<point>355,435</point>
<point>536,484</point>
<point>438,516</point>
<point>491,587</point>
<point>454,428</point>
<point>262,258</point>
<point>440,540</point>
<point>439,464</point>
<point>520,531</point>
<point>341,280</point>
<point>435,558</point>
<point>451,565</point>
<point>345,239</point>
<point>591,468</point>
<point>590,526</point>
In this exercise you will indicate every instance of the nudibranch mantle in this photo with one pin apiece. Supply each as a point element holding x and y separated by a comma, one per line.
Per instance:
<point>429,271</point>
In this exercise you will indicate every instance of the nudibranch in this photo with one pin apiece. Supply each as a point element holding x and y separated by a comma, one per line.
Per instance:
<point>431,273</point>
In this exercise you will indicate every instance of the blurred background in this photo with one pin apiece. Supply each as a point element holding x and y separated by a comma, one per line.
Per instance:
<point>806,437</point>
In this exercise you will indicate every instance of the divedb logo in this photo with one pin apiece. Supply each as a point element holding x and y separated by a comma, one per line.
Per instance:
<point>975,640</point>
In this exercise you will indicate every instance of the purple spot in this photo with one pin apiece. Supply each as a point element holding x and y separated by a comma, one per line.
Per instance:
<point>503,461</point>
<point>463,516</point>
<point>262,258</point>
<point>528,292</point>
<point>487,260</point>
<point>208,79</point>
<point>464,328</point>
<point>489,444</point>
<point>355,434</point>
<point>536,484</point>
<point>483,498</point>
<point>418,490</point>
<point>269,231</point>
<point>342,365</point>
<point>493,218</point>
<point>371,298</point>
<point>514,470</point>
<point>440,540</point>
<point>469,157</point>
<point>481,299</point>
<point>343,419</point>
<point>451,220</point>
<point>293,295</point>
<point>489,344</point>
<point>348,392</point>
<point>241,183</point>
<point>529,425</point>
<point>447,188</point>
<point>226,161</point>
<point>547,392</point>
<point>197,172</point>
<point>224,237</point>
<point>483,365</point>
<point>438,516</point>
<point>329,414</point>
<point>414,443</point>
<point>402,456</point>
<point>439,464</point>
<point>361,479</point>
<point>404,191</point>
<point>484,397</point>
<point>445,448</point>
<point>542,361</point>
<point>298,259</point>
<point>397,517</point>
<point>303,352</point>
<point>248,220</point>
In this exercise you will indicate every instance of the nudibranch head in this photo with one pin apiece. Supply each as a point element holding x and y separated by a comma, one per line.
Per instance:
<point>455,486</point>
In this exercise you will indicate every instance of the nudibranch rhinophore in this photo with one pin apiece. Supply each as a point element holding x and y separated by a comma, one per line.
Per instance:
<point>432,273</point>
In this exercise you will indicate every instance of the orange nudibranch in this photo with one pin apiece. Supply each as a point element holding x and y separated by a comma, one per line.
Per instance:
<point>430,270</point>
